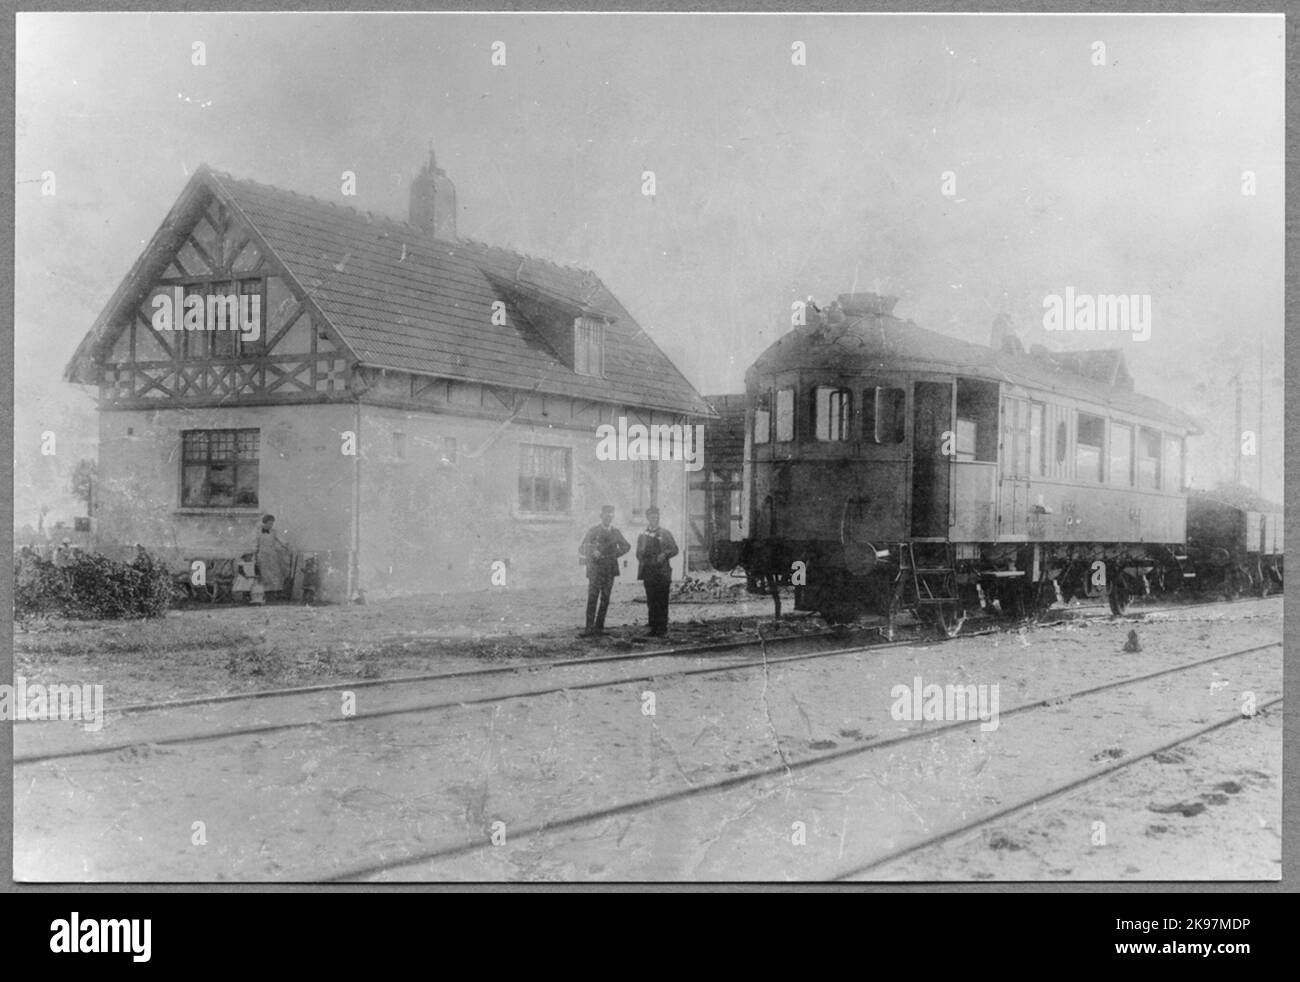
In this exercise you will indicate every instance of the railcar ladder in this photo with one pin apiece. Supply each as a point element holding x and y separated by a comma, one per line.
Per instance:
<point>932,584</point>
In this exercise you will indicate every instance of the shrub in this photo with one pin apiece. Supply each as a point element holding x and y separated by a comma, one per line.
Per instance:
<point>92,587</point>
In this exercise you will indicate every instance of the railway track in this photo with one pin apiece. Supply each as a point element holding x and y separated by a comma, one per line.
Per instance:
<point>334,718</point>
<point>787,768</point>
<point>495,670</point>
<point>1024,804</point>
<point>991,625</point>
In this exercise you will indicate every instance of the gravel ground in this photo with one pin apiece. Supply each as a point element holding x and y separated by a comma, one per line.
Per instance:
<point>213,650</point>
<point>329,799</point>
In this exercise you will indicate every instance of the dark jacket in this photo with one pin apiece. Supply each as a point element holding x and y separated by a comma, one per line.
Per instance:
<point>600,550</point>
<point>653,550</point>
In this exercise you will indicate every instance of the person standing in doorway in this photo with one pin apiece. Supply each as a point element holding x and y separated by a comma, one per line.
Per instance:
<point>655,547</point>
<point>600,550</point>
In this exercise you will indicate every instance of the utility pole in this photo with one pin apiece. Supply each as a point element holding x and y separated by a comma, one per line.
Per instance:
<point>1237,433</point>
<point>1259,435</point>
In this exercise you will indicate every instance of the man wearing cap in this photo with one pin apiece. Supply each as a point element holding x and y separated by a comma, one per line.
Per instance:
<point>600,550</point>
<point>654,548</point>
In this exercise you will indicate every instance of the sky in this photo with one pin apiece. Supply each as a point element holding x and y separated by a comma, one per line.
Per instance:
<point>774,181</point>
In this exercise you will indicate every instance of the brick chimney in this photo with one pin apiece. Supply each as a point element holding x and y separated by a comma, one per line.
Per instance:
<point>433,201</point>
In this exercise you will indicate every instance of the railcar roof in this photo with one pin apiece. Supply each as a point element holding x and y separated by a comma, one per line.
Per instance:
<point>868,343</point>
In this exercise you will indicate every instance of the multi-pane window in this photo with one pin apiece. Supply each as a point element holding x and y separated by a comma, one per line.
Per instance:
<point>257,313</point>
<point>882,415</point>
<point>763,418</point>
<point>834,410</point>
<point>1148,459</point>
<point>588,346</point>
<point>784,415</point>
<point>544,479</point>
<point>1090,439</point>
<point>1121,454</point>
<point>225,306</point>
<point>219,468</point>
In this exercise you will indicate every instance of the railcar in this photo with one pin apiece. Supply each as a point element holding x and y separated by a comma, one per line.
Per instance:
<point>1234,538</point>
<point>891,468</point>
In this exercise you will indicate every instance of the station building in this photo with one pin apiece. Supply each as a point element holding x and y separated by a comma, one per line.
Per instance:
<point>419,411</point>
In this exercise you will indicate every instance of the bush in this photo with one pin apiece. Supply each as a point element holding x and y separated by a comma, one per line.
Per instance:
<point>92,587</point>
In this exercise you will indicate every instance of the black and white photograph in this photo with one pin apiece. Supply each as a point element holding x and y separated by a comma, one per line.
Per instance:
<point>648,448</point>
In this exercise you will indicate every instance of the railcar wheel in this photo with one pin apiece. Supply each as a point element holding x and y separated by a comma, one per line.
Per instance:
<point>839,613</point>
<point>1042,596</point>
<point>1235,582</point>
<point>1014,600</point>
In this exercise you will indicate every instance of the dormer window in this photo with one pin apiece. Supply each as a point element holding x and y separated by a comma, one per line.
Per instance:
<point>588,346</point>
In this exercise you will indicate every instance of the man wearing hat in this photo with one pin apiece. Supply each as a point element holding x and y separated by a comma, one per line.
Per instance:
<point>654,548</point>
<point>600,550</point>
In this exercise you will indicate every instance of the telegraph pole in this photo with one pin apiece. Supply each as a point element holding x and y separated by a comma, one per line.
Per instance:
<point>1237,433</point>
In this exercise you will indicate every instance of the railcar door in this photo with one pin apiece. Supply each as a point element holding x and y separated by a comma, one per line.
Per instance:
<point>1015,454</point>
<point>931,467</point>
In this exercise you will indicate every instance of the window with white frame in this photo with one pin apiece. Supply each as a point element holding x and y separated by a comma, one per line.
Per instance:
<point>544,479</point>
<point>588,346</point>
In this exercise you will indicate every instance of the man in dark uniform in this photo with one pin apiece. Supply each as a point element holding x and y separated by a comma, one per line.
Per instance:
<point>654,548</point>
<point>600,550</point>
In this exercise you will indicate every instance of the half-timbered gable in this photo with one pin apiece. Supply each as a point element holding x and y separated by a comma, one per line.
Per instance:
<point>173,334</point>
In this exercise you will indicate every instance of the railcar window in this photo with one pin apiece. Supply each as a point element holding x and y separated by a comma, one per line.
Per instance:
<point>1173,463</point>
<point>784,415</point>
<point>763,419</point>
<point>882,414</point>
<point>1060,442</point>
<point>1121,454</point>
<point>1090,438</point>
<point>1016,437</point>
<point>1148,459</point>
<point>834,409</point>
<point>1037,435</point>
<point>977,407</point>
<point>966,431</point>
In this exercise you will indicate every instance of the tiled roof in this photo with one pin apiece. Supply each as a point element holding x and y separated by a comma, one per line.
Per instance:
<point>401,299</point>
<point>727,433</point>
<point>404,300</point>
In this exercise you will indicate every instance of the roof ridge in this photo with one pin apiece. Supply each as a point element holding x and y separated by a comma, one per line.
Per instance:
<point>569,267</point>
<point>373,218</point>
<point>365,217</point>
